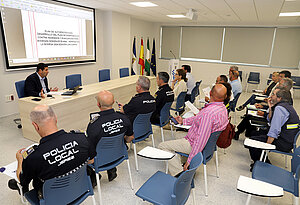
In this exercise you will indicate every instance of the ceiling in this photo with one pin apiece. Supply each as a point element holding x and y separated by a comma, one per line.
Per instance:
<point>210,12</point>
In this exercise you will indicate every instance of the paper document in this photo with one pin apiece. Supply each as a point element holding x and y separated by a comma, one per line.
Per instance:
<point>260,98</point>
<point>182,126</point>
<point>54,93</point>
<point>10,170</point>
<point>188,114</point>
<point>192,107</point>
<point>206,91</point>
<point>253,113</point>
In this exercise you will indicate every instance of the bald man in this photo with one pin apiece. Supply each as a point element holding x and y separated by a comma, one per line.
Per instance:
<point>57,154</point>
<point>212,118</point>
<point>107,123</point>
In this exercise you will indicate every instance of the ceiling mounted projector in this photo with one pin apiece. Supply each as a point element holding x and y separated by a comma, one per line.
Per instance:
<point>191,14</point>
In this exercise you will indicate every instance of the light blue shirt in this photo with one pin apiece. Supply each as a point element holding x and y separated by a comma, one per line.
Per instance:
<point>280,117</point>
<point>42,80</point>
<point>236,87</point>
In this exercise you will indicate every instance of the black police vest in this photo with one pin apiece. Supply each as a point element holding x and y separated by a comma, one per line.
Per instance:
<point>291,127</point>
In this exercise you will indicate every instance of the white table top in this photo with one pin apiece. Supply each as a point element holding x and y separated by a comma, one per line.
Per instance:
<point>254,113</point>
<point>257,144</point>
<point>258,188</point>
<point>154,153</point>
<point>260,98</point>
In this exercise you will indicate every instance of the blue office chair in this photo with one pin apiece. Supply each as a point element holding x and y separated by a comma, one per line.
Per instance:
<point>254,78</point>
<point>296,80</point>
<point>208,152</point>
<point>289,181</point>
<point>232,105</point>
<point>21,93</point>
<point>73,80</point>
<point>73,188</point>
<point>241,75</point>
<point>111,151</point>
<point>164,118</point>
<point>195,91</point>
<point>269,79</point>
<point>142,129</point>
<point>124,72</point>
<point>104,75</point>
<point>288,153</point>
<point>180,102</point>
<point>165,189</point>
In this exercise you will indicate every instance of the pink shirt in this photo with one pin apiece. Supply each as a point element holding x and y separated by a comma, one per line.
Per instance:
<point>212,118</point>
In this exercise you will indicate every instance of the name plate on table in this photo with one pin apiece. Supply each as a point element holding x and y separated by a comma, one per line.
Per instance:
<point>154,153</point>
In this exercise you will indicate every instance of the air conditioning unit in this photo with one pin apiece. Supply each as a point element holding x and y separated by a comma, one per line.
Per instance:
<point>191,14</point>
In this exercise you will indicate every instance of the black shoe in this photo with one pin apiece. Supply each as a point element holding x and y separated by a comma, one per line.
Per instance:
<point>251,167</point>
<point>112,174</point>
<point>13,184</point>
<point>236,136</point>
<point>240,108</point>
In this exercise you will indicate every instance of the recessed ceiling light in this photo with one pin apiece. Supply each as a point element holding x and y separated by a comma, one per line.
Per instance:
<point>177,16</point>
<point>290,14</point>
<point>143,4</point>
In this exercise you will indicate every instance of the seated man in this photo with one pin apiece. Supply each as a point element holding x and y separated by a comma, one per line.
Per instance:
<point>267,91</point>
<point>190,83</point>
<point>57,154</point>
<point>212,118</point>
<point>235,83</point>
<point>162,96</point>
<point>284,124</point>
<point>107,123</point>
<point>36,84</point>
<point>141,103</point>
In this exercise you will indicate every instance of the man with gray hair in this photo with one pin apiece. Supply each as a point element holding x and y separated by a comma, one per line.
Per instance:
<point>58,152</point>
<point>141,103</point>
<point>107,123</point>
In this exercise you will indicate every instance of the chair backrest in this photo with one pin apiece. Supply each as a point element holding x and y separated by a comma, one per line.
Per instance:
<point>124,72</point>
<point>296,80</point>
<point>210,146</point>
<point>73,80</point>
<point>254,76</point>
<point>180,101</point>
<point>241,75</point>
<point>182,186</point>
<point>165,114</point>
<point>195,91</point>
<point>234,102</point>
<point>142,127</point>
<point>104,75</point>
<point>20,88</point>
<point>66,189</point>
<point>270,79</point>
<point>110,150</point>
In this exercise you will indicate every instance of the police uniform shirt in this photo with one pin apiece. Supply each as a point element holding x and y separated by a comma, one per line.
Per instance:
<point>106,124</point>
<point>141,103</point>
<point>56,155</point>
<point>164,95</point>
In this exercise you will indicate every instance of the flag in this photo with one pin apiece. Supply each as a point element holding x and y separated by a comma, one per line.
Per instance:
<point>147,60</point>
<point>134,62</point>
<point>153,59</point>
<point>141,59</point>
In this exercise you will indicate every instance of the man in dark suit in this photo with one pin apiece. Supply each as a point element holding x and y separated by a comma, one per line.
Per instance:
<point>37,84</point>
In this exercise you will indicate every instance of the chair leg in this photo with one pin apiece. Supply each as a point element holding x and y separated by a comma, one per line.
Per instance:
<point>167,167</point>
<point>262,155</point>
<point>234,117</point>
<point>205,179</point>
<point>99,188</point>
<point>247,86</point>
<point>172,131</point>
<point>248,199</point>
<point>23,199</point>
<point>269,200</point>
<point>224,151</point>
<point>217,164</point>
<point>94,200</point>
<point>153,144</point>
<point>286,165</point>
<point>135,158</point>
<point>162,134</point>
<point>194,196</point>
<point>128,165</point>
<point>296,200</point>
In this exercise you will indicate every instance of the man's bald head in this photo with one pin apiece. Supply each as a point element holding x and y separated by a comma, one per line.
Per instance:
<point>218,93</point>
<point>105,99</point>
<point>42,114</point>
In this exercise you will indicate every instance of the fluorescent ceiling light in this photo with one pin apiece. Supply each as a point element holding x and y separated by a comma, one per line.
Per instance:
<point>143,4</point>
<point>177,16</point>
<point>290,14</point>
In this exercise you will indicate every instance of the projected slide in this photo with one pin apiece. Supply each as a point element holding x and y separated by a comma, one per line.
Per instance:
<point>36,32</point>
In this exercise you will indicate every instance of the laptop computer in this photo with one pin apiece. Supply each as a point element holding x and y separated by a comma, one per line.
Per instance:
<point>71,92</point>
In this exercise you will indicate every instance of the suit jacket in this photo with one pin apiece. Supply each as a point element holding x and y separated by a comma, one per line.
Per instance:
<point>33,85</point>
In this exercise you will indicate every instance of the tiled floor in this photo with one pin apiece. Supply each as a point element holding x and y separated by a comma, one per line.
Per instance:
<point>221,190</point>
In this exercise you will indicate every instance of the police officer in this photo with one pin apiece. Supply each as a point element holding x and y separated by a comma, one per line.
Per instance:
<point>142,102</point>
<point>107,123</point>
<point>57,154</point>
<point>164,95</point>
<point>284,124</point>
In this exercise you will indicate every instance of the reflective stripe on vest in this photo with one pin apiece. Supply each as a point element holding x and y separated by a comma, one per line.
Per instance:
<point>292,126</point>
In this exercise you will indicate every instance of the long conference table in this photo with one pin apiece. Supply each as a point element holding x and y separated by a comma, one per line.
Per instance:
<point>73,111</point>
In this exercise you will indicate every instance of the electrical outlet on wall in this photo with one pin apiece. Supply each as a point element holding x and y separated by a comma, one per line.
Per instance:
<point>9,98</point>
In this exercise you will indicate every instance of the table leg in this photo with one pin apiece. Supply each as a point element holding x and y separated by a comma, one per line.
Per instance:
<point>248,199</point>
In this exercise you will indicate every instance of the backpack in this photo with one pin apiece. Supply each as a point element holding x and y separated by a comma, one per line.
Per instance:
<point>226,135</point>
